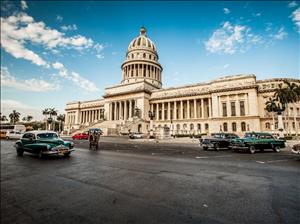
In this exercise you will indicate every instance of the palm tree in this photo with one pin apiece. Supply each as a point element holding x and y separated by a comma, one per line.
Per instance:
<point>3,118</point>
<point>14,117</point>
<point>293,96</point>
<point>46,113</point>
<point>271,107</point>
<point>60,118</point>
<point>29,118</point>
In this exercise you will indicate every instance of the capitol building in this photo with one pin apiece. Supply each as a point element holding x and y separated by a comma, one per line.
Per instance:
<point>140,104</point>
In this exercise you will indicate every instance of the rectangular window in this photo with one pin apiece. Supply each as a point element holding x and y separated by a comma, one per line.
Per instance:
<point>224,106</point>
<point>242,108</point>
<point>233,109</point>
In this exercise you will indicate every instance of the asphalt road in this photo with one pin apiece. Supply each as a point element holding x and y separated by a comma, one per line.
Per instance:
<point>134,182</point>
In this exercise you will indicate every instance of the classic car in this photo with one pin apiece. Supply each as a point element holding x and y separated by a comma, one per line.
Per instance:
<point>13,134</point>
<point>218,141</point>
<point>43,143</point>
<point>254,141</point>
<point>134,135</point>
<point>80,136</point>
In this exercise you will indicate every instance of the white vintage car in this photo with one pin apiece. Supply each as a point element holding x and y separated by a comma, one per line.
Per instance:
<point>13,134</point>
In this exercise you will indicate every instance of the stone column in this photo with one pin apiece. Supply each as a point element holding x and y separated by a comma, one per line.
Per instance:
<point>209,107</point>
<point>157,111</point>
<point>246,105</point>
<point>163,111</point>
<point>120,110</point>
<point>181,109</point>
<point>115,111</point>
<point>125,110</point>
<point>175,110</point>
<point>202,108</point>
<point>188,109</point>
<point>169,111</point>
<point>130,108</point>
<point>195,108</point>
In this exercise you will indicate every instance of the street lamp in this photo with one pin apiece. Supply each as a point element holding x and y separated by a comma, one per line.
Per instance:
<point>151,116</point>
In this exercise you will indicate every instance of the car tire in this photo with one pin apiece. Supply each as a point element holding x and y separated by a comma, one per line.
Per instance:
<point>276,149</point>
<point>205,148</point>
<point>67,154</point>
<point>217,147</point>
<point>252,149</point>
<point>20,151</point>
<point>41,155</point>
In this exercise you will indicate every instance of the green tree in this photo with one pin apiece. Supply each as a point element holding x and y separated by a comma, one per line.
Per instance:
<point>3,118</point>
<point>272,107</point>
<point>14,117</point>
<point>60,118</point>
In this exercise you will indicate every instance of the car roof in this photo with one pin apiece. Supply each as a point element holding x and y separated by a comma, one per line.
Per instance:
<point>260,133</point>
<point>40,132</point>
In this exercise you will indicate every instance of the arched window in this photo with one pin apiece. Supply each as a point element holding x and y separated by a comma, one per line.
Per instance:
<point>144,55</point>
<point>150,56</point>
<point>178,127</point>
<point>199,127</point>
<point>233,126</point>
<point>132,55</point>
<point>191,126</point>
<point>225,128</point>
<point>267,125</point>
<point>243,126</point>
<point>206,126</point>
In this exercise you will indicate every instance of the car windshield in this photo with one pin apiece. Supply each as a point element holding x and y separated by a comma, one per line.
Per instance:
<point>47,135</point>
<point>250,135</point>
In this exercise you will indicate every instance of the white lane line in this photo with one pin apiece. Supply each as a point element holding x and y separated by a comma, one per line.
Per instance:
<point>202,157</point>
<point>207,157</point>
<point>279,160</point>
<point>260,162</point>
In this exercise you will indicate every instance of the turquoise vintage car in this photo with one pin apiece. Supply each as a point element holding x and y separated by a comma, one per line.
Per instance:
<point>254,141</point>
<point>43,143</point>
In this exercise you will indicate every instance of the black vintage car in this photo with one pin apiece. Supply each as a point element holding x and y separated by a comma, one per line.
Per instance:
<point>218,141</point>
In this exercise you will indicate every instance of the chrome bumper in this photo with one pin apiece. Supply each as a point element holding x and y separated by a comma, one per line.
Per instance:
<point>59,151</point>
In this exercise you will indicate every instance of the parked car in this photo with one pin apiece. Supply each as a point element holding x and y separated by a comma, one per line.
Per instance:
<point>80,136</point>
<point>254,141</point>
<point>296,149</point>
<point>218,141</point>
<point>43,143</point>
<point>13,135</point>
<point>134,135</point>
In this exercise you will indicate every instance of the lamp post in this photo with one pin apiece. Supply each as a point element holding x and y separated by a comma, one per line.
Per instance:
<point>151,116</point>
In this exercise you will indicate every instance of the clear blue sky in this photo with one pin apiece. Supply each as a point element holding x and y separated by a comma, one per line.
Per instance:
<point>60,51</point>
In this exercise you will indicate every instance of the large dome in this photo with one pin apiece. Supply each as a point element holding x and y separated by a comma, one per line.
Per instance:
<point>142,42</point>
<point>141,63</point>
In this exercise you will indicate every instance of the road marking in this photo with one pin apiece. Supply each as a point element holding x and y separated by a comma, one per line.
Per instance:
<point>260,162</point>
<point>206,157</point>
<point>279,160</point>
<point>202,157</point>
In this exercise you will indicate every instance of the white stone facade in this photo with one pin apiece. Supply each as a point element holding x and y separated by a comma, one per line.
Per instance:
<point>230,104</point>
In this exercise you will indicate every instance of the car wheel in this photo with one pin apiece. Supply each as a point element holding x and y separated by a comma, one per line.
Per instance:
<point>20,151</point>
<point>41,155</point>
<point>67,154</point>
<point>217,147</point>
<point>276,149</point>
<point>252,149</point>
<point>205,148</point>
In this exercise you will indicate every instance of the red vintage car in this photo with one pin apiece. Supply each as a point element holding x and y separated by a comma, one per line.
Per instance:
<point>80,136</point>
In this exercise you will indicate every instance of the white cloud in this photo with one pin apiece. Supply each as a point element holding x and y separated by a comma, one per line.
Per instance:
<point>17,30</point>
<point>256,14</point>
<point>226,10</point>
<point>296,18</point>
<point>31,85</point>
<point>59,18</point>
<point>24,5</point>
<point>292,4</point>
<point>99,49</point>
<point>69,27</point>
<point>8,105</point>
<point>231,38</point>
<point>100,56</point>
<point>82,82</point>
<point>74,77</point>
<point>280,35</point>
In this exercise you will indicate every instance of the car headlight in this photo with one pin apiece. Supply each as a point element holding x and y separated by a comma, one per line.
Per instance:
<point>48,147</point>
<point>71,144</point>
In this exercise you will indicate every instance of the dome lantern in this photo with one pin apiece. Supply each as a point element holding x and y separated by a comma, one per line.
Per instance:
<point>143,31</point>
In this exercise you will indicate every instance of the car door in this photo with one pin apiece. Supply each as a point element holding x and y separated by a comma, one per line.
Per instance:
<point>28,141</point>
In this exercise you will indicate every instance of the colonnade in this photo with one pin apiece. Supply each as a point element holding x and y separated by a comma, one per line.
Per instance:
<point>182,109</point>
<point>121,110</point>
<point>90,115</point>
<point>141,70</point>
